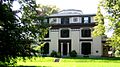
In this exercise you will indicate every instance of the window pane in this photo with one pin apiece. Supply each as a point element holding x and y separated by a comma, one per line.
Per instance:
<point>86,20</point>
<point>54,20</point>
<point>75,19</point>
<point>86,33</point>
<point>65,20</point>
<point>64,33</point>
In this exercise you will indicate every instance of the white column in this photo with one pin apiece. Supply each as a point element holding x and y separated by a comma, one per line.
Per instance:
<point>68,48</point>
<point>61,48</point>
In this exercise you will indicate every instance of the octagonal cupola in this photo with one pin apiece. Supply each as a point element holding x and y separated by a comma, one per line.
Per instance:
<point>68,12</point>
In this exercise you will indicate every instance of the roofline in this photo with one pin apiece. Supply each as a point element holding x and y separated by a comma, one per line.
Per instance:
<point>83,15</point>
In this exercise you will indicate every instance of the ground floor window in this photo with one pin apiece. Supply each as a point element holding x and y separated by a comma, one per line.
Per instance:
<point>65,33</point>
<point>86,32</point>
<point>45,49</point>
<point>86,48</point>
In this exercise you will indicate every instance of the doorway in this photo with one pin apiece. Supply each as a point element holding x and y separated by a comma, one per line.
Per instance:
<point>86,48</point>
<point>64,47</point>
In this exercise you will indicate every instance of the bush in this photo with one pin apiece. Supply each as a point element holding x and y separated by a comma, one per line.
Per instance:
<point>73,53</point>
<point>55,54</point>
<point>117,53</point>
<point>58,54</point>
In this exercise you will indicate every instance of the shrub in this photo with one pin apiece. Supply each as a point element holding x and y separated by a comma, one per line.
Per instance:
<point>58,54</point>
<point>73,53</point>
<point>117,53</point>
<point>53,54</point>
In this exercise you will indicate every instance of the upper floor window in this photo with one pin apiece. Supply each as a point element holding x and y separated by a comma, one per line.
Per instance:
<point>86,19</point>
<point>65,20</point>
<point>54,20</point>
<point>86,32</point>
<point>75,19</point>
<point>65,33</point>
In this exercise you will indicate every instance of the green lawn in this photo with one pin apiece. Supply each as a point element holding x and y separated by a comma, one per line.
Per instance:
<point>71,62</point>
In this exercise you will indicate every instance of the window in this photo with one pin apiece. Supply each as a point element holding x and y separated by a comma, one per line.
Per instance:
<point>75,19</point>
<point>54,20</point>
<point>47,35</point>
<point>45,49</point>
<point>86,48</point>
<point>86,33</point>
<point>86,20</point>
<point>64,33</point>
<point>65,20</point>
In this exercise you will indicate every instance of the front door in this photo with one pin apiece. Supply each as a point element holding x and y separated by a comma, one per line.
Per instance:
<point>64,47</point>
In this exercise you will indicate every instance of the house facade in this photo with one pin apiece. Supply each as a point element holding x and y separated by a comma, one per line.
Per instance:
<point>71,30</point>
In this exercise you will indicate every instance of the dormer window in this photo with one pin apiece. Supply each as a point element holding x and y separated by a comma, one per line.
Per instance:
<point>65,20</point>
<point>86,20</point>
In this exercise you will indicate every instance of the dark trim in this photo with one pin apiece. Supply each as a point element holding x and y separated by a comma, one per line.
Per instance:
<point>86,40</point>
<point>103,41</point>
<point>72,25</point>
<point>47,40</point>
<point>89,19</point>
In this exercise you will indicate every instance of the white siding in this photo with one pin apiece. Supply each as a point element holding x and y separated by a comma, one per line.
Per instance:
<point>54,40</point>
<point>75,40</point>
<point>97,46</point>
<point>93,19</point>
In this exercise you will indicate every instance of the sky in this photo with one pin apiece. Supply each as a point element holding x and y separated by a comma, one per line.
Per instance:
<point>87,6</point>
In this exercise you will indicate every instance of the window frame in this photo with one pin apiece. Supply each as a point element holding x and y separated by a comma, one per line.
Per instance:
<point>84,19</point>
<point>75,19</point>
<point>65,20</point>
<point>86,34</point>
<point>62,35</point>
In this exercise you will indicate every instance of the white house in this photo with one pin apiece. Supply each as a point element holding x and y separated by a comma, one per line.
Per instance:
<point>71,30</point>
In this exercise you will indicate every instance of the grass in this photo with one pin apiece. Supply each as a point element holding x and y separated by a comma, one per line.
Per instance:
<point>70,62</point>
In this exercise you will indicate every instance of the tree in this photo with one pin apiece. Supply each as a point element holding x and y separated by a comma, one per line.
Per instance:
<point>47,10</point>
<point>112,8</point>
<point>18,33</point>
<point>99,29</point>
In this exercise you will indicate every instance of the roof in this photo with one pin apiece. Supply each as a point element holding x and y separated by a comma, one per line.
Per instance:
<point>69,12</point>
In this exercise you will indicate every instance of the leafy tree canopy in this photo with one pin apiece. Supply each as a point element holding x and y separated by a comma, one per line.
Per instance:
<point>112,8</point>
<point>17,33</point>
